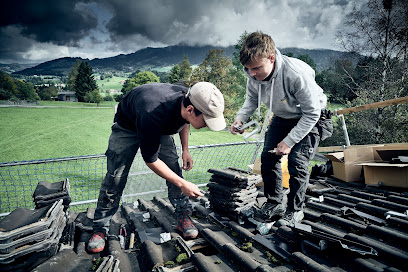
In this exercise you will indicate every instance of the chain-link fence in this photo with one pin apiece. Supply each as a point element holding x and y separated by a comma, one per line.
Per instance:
<point>18,180</point>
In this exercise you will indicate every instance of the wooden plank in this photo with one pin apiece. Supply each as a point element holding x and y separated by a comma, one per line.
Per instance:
<point>329,149</point>
<point>381,104</point>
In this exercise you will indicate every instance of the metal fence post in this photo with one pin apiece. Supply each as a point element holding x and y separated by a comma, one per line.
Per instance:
<point>343,124</point>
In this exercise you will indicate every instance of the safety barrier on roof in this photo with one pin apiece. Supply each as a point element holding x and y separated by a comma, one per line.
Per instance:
<point>18,180</point>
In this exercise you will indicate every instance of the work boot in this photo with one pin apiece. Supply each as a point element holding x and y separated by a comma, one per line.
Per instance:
<point>186,227</point>
<point>290,218</point>
<point>270,210</point>
<point>96,243</point>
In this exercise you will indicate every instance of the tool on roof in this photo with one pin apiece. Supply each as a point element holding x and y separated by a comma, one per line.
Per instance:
<point>122,236</point>
<point>262,227</point>
<point>247,125</point>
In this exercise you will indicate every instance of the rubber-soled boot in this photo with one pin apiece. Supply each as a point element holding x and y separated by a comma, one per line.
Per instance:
<point>186,227</point>
<point>96,243</point>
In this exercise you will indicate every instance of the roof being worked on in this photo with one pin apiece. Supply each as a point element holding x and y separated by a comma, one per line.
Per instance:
<point>347,227</point>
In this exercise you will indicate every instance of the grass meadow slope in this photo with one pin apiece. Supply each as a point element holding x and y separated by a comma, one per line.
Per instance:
<point>108,83</point>
<point>41,133</point>
<point>70,129</point>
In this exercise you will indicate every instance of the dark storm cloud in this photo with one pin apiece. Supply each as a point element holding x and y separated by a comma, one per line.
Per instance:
<point>169,21</point>
<point>60,22</point>
<point>221,22</point>
<point>317,16</point>
<point>40,30</point>
<point>12,44</point>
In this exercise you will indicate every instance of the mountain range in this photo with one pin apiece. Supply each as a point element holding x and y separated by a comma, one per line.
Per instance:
<point>156,58</point>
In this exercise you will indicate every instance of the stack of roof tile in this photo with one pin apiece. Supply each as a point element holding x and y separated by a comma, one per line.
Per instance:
<point>28,237</point>
<point>232,190</point>
<point>47,193</point>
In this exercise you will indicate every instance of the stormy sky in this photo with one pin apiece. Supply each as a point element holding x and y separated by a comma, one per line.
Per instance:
<point>34,31</point>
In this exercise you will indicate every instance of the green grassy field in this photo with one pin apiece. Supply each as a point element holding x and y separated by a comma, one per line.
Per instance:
<point>110,83</point>
<point>43,133</point>
<point>64,104</point>
<point>72,129</point>
<point>163,69</point>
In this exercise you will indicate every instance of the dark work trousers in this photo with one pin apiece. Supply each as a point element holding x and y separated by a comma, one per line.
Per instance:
<point>122,148</point>
<point>298,163</point>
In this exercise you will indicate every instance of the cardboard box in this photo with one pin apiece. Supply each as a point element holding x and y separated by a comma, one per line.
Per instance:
<point>346,164</point>
<point>387,174</point>
<point>256,168</point>
<point>386,171</point>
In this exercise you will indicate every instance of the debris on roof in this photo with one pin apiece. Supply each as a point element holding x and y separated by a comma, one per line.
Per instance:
<point>347,227</point>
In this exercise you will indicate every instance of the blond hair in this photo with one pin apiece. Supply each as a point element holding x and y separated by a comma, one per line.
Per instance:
<point>256,45</point>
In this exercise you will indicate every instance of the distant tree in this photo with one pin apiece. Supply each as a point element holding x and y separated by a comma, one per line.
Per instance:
<point>175,74</point>
<point>235,93</point>
<point>378,30</point>
<point>185,68</point>
<point>162,75</point>
<point>47,93</point>
<point>16,89</point>
<point>72,76</point>
<point>181,71</point>
<point>93,97</point>
<point>84,82</point>
<point>25,91</point>
<point>213,69</point>
<point>117,97</point>
<point>108,98</point>
<point>4,94</point>
<point>7,86</point>
<point>306,58</point>
<point>140,79</point>
<point>235,55</point>
<point>134,73</point>
<point>336,85</point>
<point>218,69</point>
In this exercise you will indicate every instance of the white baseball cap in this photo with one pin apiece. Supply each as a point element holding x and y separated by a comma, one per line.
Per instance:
<point>206,98</point>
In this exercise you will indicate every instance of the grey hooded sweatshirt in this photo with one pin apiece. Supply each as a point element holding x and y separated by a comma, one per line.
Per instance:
<point>295,95</point>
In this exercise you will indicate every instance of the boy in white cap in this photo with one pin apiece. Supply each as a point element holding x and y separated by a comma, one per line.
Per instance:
<point>146,118</point>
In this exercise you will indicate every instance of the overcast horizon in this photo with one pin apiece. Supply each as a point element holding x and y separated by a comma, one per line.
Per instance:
<point>43,30</point>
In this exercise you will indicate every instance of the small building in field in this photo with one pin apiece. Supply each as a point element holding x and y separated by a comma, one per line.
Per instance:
<point>67,96</point>
<point>113,91</point>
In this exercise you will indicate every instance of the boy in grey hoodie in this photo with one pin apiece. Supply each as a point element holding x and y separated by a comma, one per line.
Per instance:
<point>288,87</point>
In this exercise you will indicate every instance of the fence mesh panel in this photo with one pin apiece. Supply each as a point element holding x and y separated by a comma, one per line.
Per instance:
<point>18,180</point>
